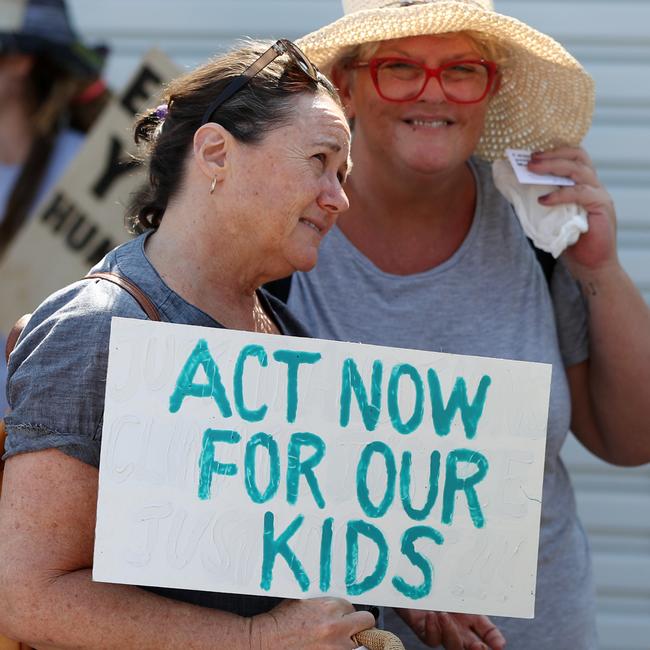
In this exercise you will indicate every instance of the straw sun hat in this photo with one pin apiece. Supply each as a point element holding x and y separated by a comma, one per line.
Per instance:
<point>546,97</point>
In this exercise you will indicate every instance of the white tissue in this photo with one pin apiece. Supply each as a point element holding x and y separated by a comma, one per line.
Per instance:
<point>552,229</point>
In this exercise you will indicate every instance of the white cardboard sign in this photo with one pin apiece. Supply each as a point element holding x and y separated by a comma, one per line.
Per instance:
<point>247,463</point>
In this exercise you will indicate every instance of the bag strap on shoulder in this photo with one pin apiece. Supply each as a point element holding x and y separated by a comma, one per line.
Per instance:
<point>146,304</point>
<point>131,287</point>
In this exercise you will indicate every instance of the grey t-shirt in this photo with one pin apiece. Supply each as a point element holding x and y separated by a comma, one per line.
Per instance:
<point>489,299</point>
<point>57,374</point>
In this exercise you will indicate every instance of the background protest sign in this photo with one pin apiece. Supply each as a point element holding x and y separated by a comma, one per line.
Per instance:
<point>248,463</point>
<point>82,218</point>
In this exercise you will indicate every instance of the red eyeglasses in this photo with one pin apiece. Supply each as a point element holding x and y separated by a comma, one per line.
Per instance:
<point>404,80</point>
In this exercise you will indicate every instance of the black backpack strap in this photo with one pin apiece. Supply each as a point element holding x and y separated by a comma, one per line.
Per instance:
<point>280,288</point>
<point>546,261</point>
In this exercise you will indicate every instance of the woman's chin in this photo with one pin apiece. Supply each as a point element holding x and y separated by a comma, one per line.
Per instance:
<point>306,266</point>
<point>304,263</point>
<point>304,257</point>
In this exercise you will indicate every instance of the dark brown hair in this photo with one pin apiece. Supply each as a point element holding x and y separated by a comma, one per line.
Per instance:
<point>265,103</point>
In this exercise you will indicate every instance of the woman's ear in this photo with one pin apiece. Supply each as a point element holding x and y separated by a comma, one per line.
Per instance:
<point>211,147</point>
<point>343,80</point>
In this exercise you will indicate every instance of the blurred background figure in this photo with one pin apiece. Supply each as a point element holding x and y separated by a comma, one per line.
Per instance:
<point>50,94</point>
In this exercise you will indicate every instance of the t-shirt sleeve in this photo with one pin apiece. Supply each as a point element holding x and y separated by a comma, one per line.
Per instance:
<point>571,316</point>
<point>57,379</point>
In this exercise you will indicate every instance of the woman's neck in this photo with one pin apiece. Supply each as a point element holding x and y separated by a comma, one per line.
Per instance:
<point>211,272</point>
<point>407,222</point>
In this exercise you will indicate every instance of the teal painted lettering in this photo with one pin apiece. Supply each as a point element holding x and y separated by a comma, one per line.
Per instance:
<point>351,381</point>
<point>214,388</point>
<point>245,413</point>
<point>405,486</point>
<point>355,528</point>
<point>393,399</point>
<point>296,466</point>
<point>274,547</point>
<point>294,360</point>
<point>454,484</point>
<point>267,442</point>
<point>470,413</point>
<point>208,465</point>
<point>363,493</point>
<point>417,559</point>
<point>326,555</point>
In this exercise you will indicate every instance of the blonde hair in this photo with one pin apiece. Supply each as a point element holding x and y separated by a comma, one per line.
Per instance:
<point>489,48</point>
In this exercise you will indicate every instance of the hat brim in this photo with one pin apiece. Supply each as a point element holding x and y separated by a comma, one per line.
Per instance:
<point>545,99</point>
<point>74,58</point>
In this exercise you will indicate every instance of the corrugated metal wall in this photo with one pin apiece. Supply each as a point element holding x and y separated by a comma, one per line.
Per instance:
<point>612,39</point>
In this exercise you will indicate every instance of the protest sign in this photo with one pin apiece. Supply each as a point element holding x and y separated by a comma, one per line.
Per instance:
<point>247,463</point>
<point>82,218</point>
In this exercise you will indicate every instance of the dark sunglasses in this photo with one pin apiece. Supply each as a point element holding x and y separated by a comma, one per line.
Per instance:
<point>280,47</point>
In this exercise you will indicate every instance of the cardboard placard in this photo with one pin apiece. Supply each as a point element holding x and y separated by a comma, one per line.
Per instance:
<point>82,218</point>
<point>247,463</point>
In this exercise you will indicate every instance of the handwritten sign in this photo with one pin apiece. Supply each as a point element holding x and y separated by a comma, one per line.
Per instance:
<point>82,218</point>
<point>247,463</point>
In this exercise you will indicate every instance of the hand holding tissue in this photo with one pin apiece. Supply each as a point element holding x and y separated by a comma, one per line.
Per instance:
<point>551,228</point>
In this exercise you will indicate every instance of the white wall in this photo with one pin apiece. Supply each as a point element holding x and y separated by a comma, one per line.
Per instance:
<point>612,39</point>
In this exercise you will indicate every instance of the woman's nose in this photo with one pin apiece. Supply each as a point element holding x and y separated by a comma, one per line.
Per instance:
<point>333,198</point>
<point>433,91</point>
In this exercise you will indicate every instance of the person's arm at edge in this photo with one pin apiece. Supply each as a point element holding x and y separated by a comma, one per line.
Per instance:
<point>609,392</point>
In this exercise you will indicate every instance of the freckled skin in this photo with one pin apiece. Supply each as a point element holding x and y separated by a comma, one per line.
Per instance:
<point>294,174</point>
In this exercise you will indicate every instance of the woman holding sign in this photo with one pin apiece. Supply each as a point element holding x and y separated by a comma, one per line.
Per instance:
<point>430,256</point>
<point>246,163</point>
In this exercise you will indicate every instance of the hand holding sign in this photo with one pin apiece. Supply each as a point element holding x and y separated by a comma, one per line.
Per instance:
<point>323,623</point>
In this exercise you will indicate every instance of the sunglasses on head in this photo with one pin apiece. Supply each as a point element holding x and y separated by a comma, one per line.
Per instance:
<point>280,47</point>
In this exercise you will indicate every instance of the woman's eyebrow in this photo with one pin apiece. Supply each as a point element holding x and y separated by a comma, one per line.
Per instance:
<point>328,144</point>
<point>454,57</point>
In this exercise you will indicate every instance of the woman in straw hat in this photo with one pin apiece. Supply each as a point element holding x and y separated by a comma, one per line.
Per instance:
<point>431,256</point>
